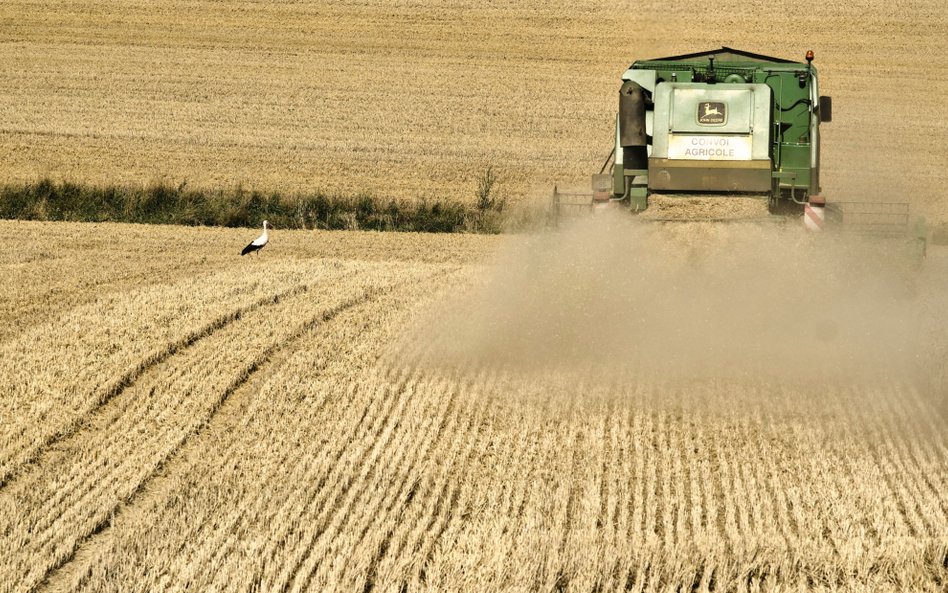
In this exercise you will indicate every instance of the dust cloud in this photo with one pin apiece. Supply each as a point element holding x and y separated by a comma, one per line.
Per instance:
<point>698,301</point>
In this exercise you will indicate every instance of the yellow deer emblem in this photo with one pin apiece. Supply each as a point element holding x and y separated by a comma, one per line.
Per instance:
<point>708,110</point>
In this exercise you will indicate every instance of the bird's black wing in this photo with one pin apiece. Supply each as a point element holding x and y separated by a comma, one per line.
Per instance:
<point>249,248</point>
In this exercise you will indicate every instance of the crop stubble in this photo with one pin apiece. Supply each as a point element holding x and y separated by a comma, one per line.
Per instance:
<point>308,442</point>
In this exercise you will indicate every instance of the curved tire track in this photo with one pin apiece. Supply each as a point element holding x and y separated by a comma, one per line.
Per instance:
<point>242,376</point>
<point>127,379</point>
<point>86,542</point>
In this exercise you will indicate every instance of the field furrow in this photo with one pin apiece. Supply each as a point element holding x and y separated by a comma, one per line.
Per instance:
<point>340,535</point>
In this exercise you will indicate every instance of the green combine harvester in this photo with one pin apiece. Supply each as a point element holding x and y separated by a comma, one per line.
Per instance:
<point>725,122</point>
<point>722,129</point>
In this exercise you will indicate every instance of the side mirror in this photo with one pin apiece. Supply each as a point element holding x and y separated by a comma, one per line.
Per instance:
<point>826,109</point>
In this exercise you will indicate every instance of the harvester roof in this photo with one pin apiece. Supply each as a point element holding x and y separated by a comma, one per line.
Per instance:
<point>723,55</point>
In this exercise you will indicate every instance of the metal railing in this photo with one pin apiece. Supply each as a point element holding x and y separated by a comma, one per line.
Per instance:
<point>566,204</point>
<point>870,218</point>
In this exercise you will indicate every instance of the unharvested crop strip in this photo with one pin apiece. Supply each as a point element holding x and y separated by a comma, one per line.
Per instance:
<point>300,472</point>
<point>624,490</point>
<point>651,481</point>
<point>395,523</point>
<point>573,467</point>
<point>721,479</point>
<point>635,503</point>
<point>853,478</point>
<point>908,490</point>
<point>689,504</point>
<point>408,494</point>
<point>882,455</point>
<point>518,455</point>
<point>712,486</point>
<point>909,447</point>
<point>297,470</point>
<point>329,468</point>
<point>247,375</point>
<point>312,505</point>
<point>39,304</point>
<point>607,461</point>
<point>664,501</point>
<point>328,500</point>
<point>155,470</point>
<point>700,516</point>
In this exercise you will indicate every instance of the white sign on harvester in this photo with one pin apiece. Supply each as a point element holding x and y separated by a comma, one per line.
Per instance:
<point>708,147</point>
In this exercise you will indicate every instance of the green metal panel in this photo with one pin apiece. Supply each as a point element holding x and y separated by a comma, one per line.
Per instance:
<point>638,199</point>
<point>795,160</point>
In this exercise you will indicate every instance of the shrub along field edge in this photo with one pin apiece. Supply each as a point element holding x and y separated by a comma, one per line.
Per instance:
<point>170,204</point>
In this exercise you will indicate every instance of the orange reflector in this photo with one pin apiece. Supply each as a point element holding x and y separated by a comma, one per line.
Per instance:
<point>813,217</point>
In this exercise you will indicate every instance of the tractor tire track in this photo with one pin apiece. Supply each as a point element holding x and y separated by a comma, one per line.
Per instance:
<point>68,573</point>
<point>128,378</point>
<point>106,519</point>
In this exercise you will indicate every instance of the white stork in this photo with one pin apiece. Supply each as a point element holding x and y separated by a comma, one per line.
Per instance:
<point>258,243</point>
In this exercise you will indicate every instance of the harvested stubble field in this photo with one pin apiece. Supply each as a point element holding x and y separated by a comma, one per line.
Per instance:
<point>415,99</point>
<point>694,408</point>
<point>395,412</point>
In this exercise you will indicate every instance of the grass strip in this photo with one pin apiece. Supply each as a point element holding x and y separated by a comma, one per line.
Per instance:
<point>161,203</point>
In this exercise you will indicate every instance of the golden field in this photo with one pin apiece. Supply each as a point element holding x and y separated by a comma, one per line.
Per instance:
<point>415,99</point>
<point>606,406</point>
<point>396,412</point>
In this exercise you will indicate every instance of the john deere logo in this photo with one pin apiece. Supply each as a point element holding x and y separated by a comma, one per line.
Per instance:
<point>712,113</point>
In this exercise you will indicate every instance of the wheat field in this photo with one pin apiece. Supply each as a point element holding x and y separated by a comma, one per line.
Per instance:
<point>327,416</point>
<point>415,99</point>
<point>603,407</point>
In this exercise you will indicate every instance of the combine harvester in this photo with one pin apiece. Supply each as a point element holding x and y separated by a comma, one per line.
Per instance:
<point>725,135</point>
